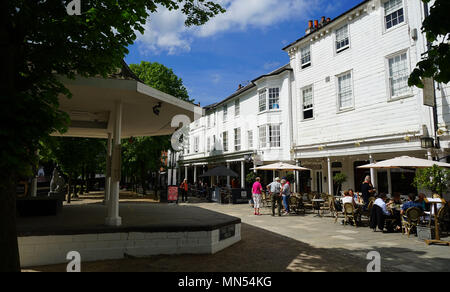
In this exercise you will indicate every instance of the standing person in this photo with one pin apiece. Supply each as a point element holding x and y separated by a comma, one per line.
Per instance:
<point>286,193</point>
<point>256,195</point>
<point>367,191</point>
<point>184,190</point>
<point>275,191</point>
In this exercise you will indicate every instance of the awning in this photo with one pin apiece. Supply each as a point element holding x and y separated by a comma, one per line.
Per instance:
<point>281,166</point>
<point>405,162</point>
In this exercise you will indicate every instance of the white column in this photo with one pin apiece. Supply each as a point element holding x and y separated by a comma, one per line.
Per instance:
<point>389,179</point>
<point>242,175</point>
<point>228,178</point>
<point>186,172</point>
<point>113,218</point>
<point>108,170</point>
<point>330,177</point>
<point>372,172</point>
<point>297,178</point>
<point>195,174</point>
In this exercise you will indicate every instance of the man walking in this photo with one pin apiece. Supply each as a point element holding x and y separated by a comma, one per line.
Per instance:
<point>275,192</point>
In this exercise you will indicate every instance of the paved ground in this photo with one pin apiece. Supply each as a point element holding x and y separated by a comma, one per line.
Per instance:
<point>398,252</point>
<point>137,216</point>
<point>291,243</point>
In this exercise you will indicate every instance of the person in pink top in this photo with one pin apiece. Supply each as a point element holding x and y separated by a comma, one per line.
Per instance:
<point>256,195</point>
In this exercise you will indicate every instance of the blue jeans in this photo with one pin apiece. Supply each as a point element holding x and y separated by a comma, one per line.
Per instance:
<point>286,202</point>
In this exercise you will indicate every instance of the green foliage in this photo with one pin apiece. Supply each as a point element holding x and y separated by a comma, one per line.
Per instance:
<point>290,177</point>
<point>436,64</point>
<point>141,156</point>
<point>42,42</point>
<point>340,178</point>
<point>162,78</point>
<point>435,179</point>
<point>251,177</point>
<point>73,155</point>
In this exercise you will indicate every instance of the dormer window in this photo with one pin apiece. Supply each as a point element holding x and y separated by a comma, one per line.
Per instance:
<point>342,39</point>
<point>305,57</point>
<point>394,14</point>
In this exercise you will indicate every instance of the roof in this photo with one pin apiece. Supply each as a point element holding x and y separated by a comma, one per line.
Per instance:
<point>327,24</point>
<point>251,85</point>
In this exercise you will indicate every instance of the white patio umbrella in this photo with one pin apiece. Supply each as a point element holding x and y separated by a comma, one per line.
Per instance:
<point>405,162</point>
<point>281,166</point>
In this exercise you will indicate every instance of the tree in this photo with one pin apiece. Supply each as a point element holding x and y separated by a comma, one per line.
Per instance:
<point>436,63</point>
<point>141,157</point>
<point>435,179</point>
<point>40,42</point>
<point>339,179</point>
<point>90,157</point>
<point>162,78</point>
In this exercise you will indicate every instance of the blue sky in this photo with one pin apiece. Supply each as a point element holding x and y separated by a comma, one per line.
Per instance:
<point>233,48</point>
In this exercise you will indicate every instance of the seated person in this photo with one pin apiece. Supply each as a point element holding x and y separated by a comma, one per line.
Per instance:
<point>395,205</point>
<point>380,213</point>
<point>421,201</point>
<point>349,197</point>
<point>410,204</point>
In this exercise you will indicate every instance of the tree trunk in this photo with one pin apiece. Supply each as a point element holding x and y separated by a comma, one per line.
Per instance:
<point>69,190</point>
<point>9,248</point>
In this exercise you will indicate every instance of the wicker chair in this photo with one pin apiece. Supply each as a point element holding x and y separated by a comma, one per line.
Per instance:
<point>444,218</point>
<point>412,219</point>
<point>329,205</point>
<point>308,203</point>
<point>266,200</point>
<point>349,213</point>
<point>366,213</point>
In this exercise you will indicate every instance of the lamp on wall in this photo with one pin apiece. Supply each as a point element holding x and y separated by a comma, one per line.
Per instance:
<point>426,142</point>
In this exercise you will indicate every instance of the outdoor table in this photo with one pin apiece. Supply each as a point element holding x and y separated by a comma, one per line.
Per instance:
<point>318,202</point>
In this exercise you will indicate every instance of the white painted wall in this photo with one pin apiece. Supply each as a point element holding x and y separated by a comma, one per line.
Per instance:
<point>48,250</point>
<point>374,114</point>
<point>249,119</point>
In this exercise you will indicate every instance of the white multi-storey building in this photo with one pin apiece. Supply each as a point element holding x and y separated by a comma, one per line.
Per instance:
<point>251,127</point>
<point>342,102</point>
<point>351,96</point>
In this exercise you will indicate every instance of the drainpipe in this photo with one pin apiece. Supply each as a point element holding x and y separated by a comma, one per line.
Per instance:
<point>291,129</point>
<point>435,115</point>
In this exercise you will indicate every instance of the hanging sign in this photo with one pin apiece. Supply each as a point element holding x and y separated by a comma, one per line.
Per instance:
<point>428,92</point>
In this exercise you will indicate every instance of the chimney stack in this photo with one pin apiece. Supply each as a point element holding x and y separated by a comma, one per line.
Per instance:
<point>316,23</point>
<point>328,19</point>
<point>322,21</point>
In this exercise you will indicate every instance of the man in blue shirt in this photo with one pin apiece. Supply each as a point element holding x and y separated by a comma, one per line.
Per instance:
<point>411,204</point>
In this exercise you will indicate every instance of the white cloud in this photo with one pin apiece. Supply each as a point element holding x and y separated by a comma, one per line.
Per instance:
<point>166,32</point>
<point>271,65</point>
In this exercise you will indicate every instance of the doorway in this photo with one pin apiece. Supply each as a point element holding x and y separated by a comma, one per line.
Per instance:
<point>319,180</point>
